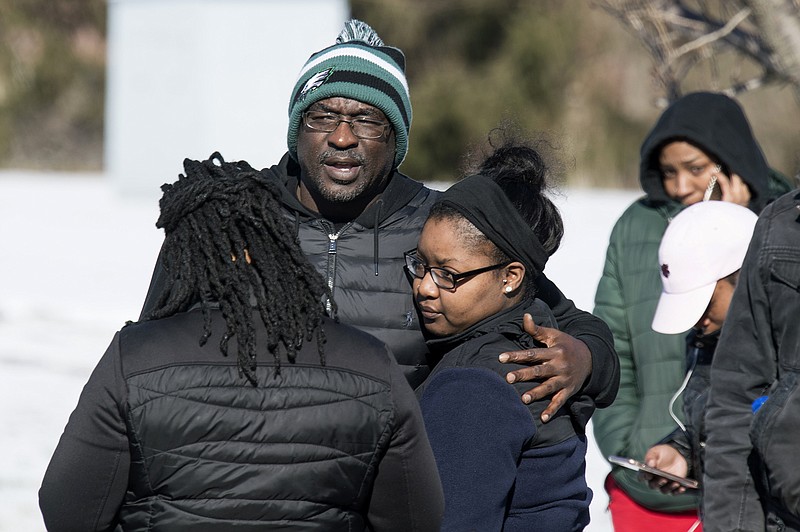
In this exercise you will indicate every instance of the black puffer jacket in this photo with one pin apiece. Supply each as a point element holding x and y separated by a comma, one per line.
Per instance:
<point>168,436</point>
<point>362,261</point>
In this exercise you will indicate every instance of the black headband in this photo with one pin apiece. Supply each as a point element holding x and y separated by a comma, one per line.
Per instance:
<point>481,201</point>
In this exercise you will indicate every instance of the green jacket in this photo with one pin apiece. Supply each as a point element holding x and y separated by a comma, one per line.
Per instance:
<point>652,365</point>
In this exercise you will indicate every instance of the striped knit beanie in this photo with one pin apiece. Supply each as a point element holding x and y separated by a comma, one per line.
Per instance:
<point>360,67</point>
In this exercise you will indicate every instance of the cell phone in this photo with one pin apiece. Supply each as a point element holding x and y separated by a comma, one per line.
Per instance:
<point>713,191</point>
<point>636,465</point>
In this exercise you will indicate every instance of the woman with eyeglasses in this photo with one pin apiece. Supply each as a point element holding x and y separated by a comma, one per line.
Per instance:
<point>473,272</point>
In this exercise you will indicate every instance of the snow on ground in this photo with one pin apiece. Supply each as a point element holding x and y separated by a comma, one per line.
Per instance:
<point>75,263</point>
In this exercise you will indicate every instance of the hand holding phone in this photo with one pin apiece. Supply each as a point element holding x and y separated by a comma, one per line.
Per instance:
<point>636,465</point>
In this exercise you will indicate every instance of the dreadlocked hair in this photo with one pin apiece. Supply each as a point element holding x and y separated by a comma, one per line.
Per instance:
<point>228,244</point>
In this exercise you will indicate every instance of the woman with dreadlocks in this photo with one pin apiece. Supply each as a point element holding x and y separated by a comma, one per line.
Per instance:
<point>194,420</point>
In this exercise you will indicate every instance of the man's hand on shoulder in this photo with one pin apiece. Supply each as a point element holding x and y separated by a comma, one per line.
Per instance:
<point>563,366</point>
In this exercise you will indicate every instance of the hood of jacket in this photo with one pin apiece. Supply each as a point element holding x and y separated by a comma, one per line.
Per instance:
<point>398,193</point>
<point>717,125</point>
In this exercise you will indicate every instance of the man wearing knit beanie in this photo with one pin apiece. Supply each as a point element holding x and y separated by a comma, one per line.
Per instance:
<point>355,215</point>
<point>349,116</point>
<point>360,67</point>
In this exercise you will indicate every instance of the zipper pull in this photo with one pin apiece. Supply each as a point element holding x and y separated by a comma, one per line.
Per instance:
<point>332,237</point>
<point>332,243</point>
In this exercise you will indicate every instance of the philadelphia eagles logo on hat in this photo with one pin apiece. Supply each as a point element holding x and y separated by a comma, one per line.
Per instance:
<point>314,83</point>
<point>665,270</point>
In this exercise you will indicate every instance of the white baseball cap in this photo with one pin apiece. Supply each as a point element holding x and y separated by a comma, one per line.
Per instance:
<point>706,242</point>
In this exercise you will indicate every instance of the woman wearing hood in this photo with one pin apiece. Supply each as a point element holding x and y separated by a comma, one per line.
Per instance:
<point>701,148</point>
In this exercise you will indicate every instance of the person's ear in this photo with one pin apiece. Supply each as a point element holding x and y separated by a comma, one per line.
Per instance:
<point>513,276</point>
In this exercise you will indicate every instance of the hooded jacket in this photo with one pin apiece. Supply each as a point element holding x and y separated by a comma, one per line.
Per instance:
<point>652,364</point>
<point>363,263</point>
<point>167,435</point>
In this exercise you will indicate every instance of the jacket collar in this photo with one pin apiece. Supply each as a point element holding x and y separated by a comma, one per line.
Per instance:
<point>398,193</point>
<point>508,322</point>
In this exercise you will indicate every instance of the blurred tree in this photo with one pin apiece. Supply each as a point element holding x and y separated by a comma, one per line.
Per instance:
<point>757,40</point>
<point>560,67</point>
<point>52,76</point>
<point>472,64</point>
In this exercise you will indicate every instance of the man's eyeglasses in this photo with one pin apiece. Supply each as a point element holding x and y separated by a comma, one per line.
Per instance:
<point>363,128</point>
<point>441,277</point>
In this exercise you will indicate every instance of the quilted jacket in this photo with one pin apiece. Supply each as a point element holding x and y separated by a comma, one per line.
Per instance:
<point>168,435</point>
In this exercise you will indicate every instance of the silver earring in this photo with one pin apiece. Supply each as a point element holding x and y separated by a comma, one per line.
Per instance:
<point>508,289</point>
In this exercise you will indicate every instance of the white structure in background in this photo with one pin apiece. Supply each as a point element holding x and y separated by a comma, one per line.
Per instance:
<point>187,78</point>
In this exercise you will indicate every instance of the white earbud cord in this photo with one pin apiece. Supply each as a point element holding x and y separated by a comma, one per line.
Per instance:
<point>679,392</point>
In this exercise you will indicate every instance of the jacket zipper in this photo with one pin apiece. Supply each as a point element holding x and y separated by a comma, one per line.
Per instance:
<point>331,268</point>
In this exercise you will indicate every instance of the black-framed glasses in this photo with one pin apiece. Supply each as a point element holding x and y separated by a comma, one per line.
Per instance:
<point>363,128</point>
<point>441,277</point>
